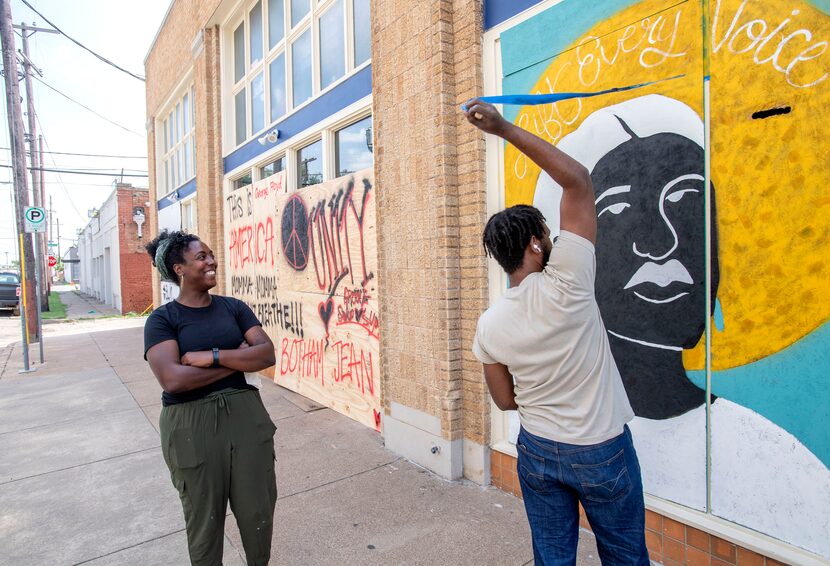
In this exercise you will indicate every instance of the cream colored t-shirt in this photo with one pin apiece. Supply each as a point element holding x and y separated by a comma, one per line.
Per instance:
<point>549,333</point>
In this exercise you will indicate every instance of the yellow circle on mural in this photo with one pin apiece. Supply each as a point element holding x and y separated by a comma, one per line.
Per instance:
<point>770,169</point>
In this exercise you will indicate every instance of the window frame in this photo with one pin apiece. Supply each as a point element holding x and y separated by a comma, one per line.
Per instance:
<point>190,205</point>
<point>340,127</point>
<point>310,22</point>
<point>176,148</point>
<point>289,150</point>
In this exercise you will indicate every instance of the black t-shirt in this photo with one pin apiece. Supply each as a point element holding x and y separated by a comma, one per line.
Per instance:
<point>222,324</point>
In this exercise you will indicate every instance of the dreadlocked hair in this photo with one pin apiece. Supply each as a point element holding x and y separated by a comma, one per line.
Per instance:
<point>507,234</point>
<point>179,242</point>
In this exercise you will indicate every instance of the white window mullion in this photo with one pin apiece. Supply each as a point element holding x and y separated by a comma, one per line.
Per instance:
<point>328,155</point>
<point>266,83</point>
<point>291,173</point>
<point>315,55</point>
<point>349,35</point>
<point>289,77</point>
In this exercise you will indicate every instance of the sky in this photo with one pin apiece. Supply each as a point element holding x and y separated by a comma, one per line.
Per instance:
<point>119,31</point>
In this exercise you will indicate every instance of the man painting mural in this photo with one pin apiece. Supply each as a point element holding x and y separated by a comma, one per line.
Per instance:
<point>546,333</point>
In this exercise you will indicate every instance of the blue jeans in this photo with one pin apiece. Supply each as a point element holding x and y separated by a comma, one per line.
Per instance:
<point>604,477</point>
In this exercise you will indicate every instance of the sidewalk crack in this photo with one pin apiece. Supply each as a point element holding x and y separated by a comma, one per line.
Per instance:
<point>81,465</point>
<point>341,479</point>
<point>128,547</point>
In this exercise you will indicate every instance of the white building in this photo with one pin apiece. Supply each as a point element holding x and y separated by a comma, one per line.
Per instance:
<point>114,267</point>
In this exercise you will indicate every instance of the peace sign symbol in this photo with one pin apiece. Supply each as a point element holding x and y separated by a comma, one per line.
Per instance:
<point>295,233</point>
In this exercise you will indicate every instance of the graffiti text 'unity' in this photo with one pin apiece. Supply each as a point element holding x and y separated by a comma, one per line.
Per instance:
<point>329,223</point>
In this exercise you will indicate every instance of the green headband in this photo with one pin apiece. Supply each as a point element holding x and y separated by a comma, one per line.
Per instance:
<point>161,260</point>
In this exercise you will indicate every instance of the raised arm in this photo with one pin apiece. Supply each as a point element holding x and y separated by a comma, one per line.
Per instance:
<point>577,210</point>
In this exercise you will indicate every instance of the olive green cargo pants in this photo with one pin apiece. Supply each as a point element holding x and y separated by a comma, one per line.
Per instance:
<point>219,449</point>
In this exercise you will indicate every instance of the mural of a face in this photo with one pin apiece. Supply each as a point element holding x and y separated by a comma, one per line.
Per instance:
<point>650,239</point>
<point>646,161</point>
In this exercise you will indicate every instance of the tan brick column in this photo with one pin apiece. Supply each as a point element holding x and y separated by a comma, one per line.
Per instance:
<point>431,203</point>
<point>152,226</point>
<point>209,164</point>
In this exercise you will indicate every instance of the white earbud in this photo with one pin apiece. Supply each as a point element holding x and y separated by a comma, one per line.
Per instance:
<point>537,248</point>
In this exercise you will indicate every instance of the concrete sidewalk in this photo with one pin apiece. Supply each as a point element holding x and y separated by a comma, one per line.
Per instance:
<point>80,306</point>
<point>82,479</point>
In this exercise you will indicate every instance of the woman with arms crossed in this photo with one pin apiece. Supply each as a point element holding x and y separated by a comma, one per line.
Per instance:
<point>216,436</point>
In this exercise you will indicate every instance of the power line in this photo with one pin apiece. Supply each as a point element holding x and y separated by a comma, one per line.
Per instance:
<point>115,171</point>
<point>60,179</point>
<point>92,154</point>
<point>71,172</point>
<point>79,44</point>
<point>41,81</point>
<point>66,183</point>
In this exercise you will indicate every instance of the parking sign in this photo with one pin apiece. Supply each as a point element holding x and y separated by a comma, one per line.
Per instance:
<point>35,219</point>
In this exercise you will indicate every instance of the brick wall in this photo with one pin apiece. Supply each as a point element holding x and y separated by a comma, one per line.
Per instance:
<point>468,26</point>
<point>187,44</point>
<point>669,542</point>
<point>209,166</point>
<point>135,267</point>
<point>430,167</point>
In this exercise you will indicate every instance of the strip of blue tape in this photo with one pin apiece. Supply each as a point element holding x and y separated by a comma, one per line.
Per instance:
<point>534,99</point>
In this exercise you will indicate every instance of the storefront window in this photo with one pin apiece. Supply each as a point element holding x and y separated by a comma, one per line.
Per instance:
<point>299,8</point>
<point>272,168</point>
<point>301,68</point>
<point>257,104</point>
<point>256,33</point>
<point>353,147</point>
<point>239,53</point>
<point>276,22</point>
<point>310,164</point>
<point>277,76</point>
<point>362,32</point>
<point>239,113</point>
<point>332,45</point>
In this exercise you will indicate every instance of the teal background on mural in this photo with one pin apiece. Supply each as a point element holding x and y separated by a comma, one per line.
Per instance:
<point>823,5</point>
<point>789,388</point>
<point>535,42</point>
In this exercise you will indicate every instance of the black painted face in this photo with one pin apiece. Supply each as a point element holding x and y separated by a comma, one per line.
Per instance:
<point>650,240</point>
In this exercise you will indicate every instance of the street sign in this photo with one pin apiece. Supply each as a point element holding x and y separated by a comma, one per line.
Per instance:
<point>53,261</point>
<point>34,219</point>
<point>52,244</point>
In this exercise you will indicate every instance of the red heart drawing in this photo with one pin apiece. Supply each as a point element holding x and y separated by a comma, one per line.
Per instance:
<point>325,309</point>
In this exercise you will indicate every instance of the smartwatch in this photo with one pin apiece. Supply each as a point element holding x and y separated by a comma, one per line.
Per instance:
<point>215,357</point>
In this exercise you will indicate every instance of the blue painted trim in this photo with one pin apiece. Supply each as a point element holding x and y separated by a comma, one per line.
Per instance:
<point>498,11</point>
<point>348,92</point>
<point>184,191</point>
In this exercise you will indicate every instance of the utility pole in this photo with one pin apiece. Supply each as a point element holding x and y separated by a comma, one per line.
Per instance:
<point>50,228</point>
<point>43,200</point>
<point>16,137</point>
<point>34,154</point>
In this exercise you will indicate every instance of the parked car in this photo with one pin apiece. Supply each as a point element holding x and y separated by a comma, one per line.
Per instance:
<point>10,291</point>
